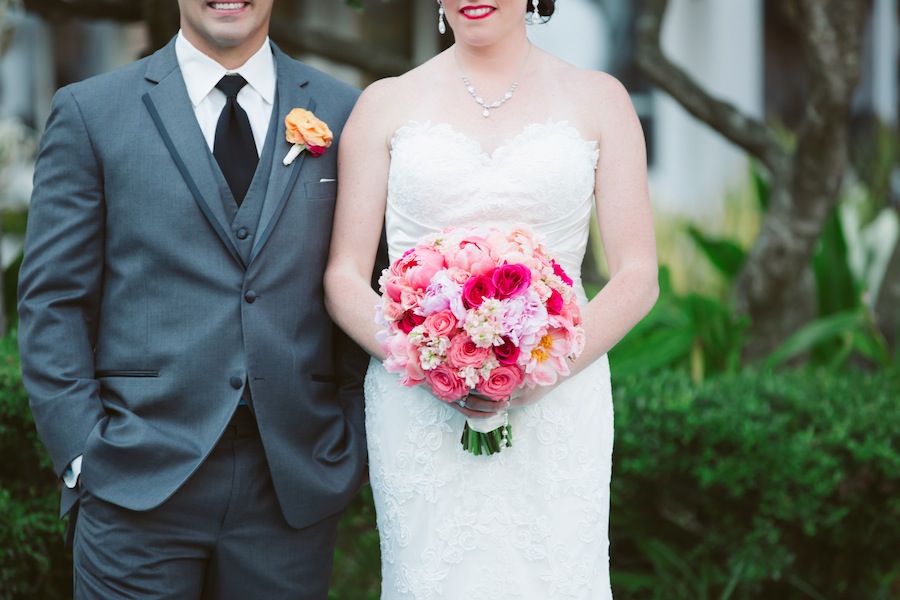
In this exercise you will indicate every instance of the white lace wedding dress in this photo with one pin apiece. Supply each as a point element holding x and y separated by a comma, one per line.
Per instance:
<point>529,522</point>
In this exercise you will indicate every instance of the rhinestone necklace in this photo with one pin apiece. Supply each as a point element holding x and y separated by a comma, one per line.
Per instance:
<point>486,112</point>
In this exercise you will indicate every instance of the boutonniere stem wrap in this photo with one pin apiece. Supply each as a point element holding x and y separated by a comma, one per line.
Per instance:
<point>306,132</point>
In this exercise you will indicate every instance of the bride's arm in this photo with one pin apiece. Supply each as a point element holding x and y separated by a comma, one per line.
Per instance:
<point>626,226</point>
<point>363,163</point>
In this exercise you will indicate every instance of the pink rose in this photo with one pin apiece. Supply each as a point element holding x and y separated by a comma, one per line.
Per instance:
<point>440,324</point>
<point>409,321</point>
<point>473,255</point>
<point>559,272</point>
<point>555,302</point>
<point>501,383</point>
<point>457,275</point>
<point>511,280</point>
<point>391,311</point>
<point>410,298</point>
<point>477,289</point>
<point>464,353</point>
<point>445,384</point>
<point>507,352</point>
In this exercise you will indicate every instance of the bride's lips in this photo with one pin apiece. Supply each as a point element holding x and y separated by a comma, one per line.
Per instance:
<point>477,12</point>
<point>228,7</point>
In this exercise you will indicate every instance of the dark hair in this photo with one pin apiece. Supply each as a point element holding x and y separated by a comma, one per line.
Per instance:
<point>545,7</point>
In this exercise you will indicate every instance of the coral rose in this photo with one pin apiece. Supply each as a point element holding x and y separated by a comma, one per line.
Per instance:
<point>464,353</point>
<point>501,383</point>
<point>445,384</point>
<point>302,127</point>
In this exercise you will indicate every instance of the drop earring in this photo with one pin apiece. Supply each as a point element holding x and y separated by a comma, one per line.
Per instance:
<point>442,28</point>
<point>535,13</point>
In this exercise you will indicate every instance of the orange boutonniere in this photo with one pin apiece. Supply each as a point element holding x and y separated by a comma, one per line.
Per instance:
<point>305,132</point>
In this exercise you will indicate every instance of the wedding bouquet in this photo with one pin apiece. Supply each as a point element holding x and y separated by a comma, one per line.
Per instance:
<point>482,311</point>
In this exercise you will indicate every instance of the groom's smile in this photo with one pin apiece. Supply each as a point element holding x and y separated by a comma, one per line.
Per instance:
<point>228,32</point>
<point>228,7</point>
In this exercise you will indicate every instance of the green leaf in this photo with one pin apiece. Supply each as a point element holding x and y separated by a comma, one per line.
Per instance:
<point>725,255</point>
<point>815,333</point>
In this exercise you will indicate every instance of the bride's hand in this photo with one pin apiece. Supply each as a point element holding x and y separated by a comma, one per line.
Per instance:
<point>527,396</point>
<point>475,406</point>
<point>478,407</point>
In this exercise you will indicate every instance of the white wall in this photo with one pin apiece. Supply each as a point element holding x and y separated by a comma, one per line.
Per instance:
<point>720,44</point>
<point>576,33</point>
<point>884,60</point>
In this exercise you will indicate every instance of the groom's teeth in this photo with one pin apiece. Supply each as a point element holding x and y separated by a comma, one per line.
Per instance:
<point>227,5</point>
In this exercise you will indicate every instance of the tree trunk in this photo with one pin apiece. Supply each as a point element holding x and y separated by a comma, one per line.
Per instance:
<point>776,287</point>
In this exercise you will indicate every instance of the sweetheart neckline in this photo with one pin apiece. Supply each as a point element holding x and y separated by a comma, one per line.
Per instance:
<point>561,126</point>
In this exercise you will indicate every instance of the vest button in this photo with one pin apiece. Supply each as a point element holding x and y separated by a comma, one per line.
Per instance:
<point>250,296</point>
<point>242,233</point>
<point>236,382</point>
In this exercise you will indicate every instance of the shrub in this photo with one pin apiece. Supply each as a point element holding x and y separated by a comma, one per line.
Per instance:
<point>757,485</point>
<point>751,485</point>
<point>33,560</point>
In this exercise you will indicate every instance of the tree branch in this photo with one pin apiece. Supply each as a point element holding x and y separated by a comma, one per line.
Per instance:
<point>117,10</point>
<point>371,59</point>
<point>746,132</point>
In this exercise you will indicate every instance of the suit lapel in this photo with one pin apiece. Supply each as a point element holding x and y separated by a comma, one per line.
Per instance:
<point>291,93</point>
<point>170,107</point>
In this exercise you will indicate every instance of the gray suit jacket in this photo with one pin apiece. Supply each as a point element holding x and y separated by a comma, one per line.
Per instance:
<point>143,312</point>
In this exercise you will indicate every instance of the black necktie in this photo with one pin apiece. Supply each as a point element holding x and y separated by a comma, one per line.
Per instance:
<point>234,147</point>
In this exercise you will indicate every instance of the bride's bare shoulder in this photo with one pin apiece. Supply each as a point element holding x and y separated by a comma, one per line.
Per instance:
<point>393,97</point>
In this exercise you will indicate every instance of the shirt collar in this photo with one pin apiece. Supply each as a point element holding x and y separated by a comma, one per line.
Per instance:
<point>201,73</point>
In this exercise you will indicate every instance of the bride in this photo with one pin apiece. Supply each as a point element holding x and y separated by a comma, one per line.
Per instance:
<point>494,131</point>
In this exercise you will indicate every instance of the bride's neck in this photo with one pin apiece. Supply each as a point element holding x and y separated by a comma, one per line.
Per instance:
<point>494,60</point>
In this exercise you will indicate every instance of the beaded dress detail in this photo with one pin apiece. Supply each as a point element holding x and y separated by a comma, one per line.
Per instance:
<point>529,522</point>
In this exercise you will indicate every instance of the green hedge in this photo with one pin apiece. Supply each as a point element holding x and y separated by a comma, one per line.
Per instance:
<point>33,561</point>
<point>757,485</point>
<point>753,485</point>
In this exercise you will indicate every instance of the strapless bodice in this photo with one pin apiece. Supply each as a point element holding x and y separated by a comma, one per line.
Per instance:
<point>543,177</point>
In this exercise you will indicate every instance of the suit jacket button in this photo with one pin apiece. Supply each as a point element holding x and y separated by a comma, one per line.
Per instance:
<point>250,296</point>
<point>236,382</point>
<point>242,233</point>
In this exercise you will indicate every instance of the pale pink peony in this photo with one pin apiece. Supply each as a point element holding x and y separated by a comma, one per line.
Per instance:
<point>403,358</point>
<point>418,266</point>
<point>473,255</point>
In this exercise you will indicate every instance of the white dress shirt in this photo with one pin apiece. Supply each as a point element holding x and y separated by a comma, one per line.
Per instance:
<point>201,74</point>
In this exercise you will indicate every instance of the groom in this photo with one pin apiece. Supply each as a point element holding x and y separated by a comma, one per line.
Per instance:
<point>204,412</point>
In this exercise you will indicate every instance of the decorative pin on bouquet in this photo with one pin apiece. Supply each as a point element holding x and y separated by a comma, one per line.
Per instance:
<point>479,311</point>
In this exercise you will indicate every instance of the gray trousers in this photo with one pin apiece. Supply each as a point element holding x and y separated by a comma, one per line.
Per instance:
<point>220,536</point>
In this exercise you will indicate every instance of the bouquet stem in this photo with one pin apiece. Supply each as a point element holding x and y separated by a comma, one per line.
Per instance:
<point>479,443</point>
